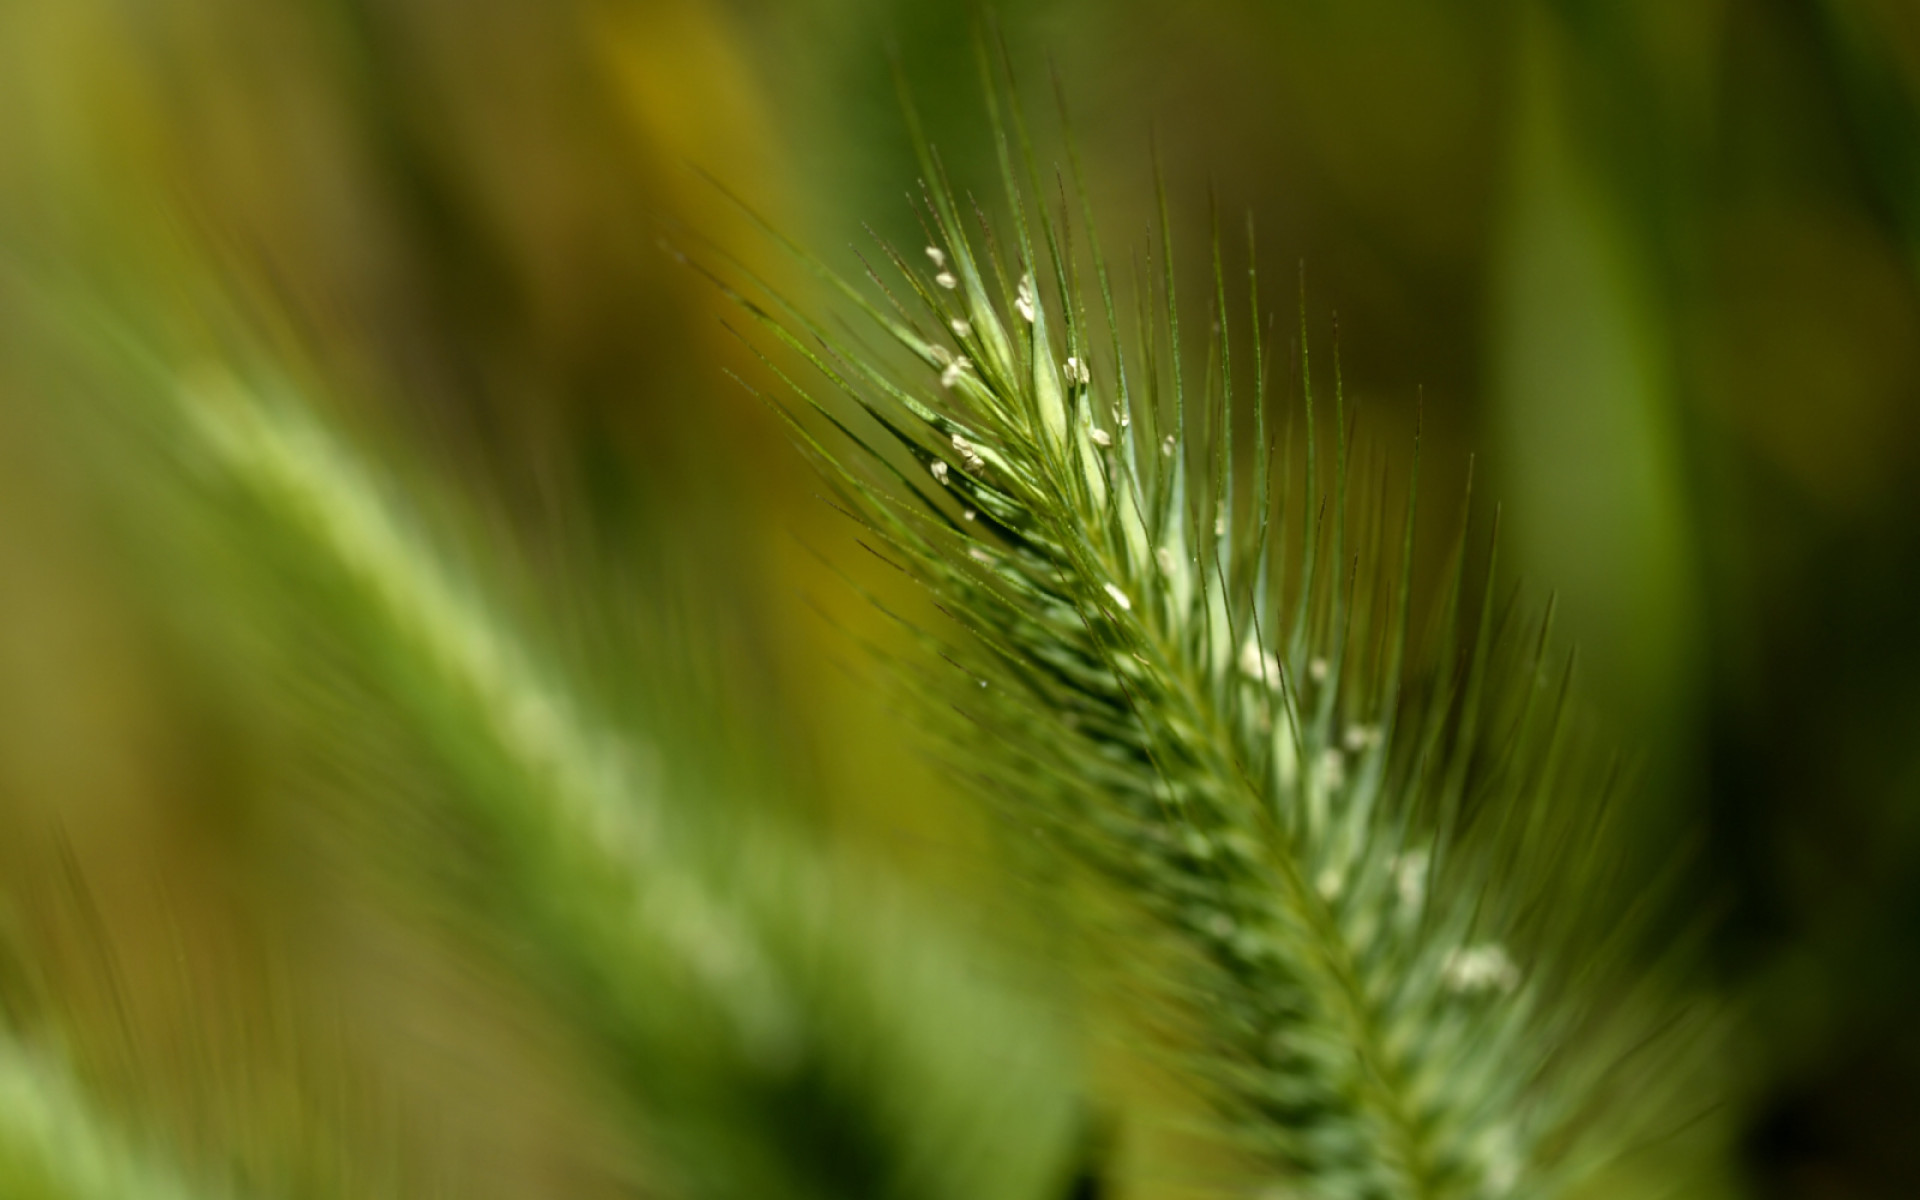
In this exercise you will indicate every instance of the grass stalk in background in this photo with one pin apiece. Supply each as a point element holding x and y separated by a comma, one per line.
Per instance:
<point>771,1019</point>
<point>784,1024</point>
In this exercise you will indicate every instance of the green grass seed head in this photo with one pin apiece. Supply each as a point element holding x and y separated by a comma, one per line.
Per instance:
<point>1200,678</point>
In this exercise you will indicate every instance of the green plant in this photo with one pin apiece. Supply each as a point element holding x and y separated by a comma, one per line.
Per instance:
<point>1367,849</point>
<point>771,1018</point>
<point>1195,671</point>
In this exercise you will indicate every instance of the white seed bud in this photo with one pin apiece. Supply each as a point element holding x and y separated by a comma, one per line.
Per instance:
<point>1333,769</point>
<point>1258,665</point>
<point>1481,968</point>
<point>1410,877</point>
<point>969,455</point>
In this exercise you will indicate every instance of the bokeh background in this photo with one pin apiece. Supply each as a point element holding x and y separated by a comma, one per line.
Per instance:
<point>1654,265</point>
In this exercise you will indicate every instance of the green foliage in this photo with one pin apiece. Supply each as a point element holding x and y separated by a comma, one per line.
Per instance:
<point>1195,670</point>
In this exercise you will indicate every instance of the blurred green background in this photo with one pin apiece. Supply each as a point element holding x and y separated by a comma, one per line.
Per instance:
<point>1656,263</point>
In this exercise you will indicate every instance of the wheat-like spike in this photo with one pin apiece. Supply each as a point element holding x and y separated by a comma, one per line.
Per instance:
<point>1201,685</point>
